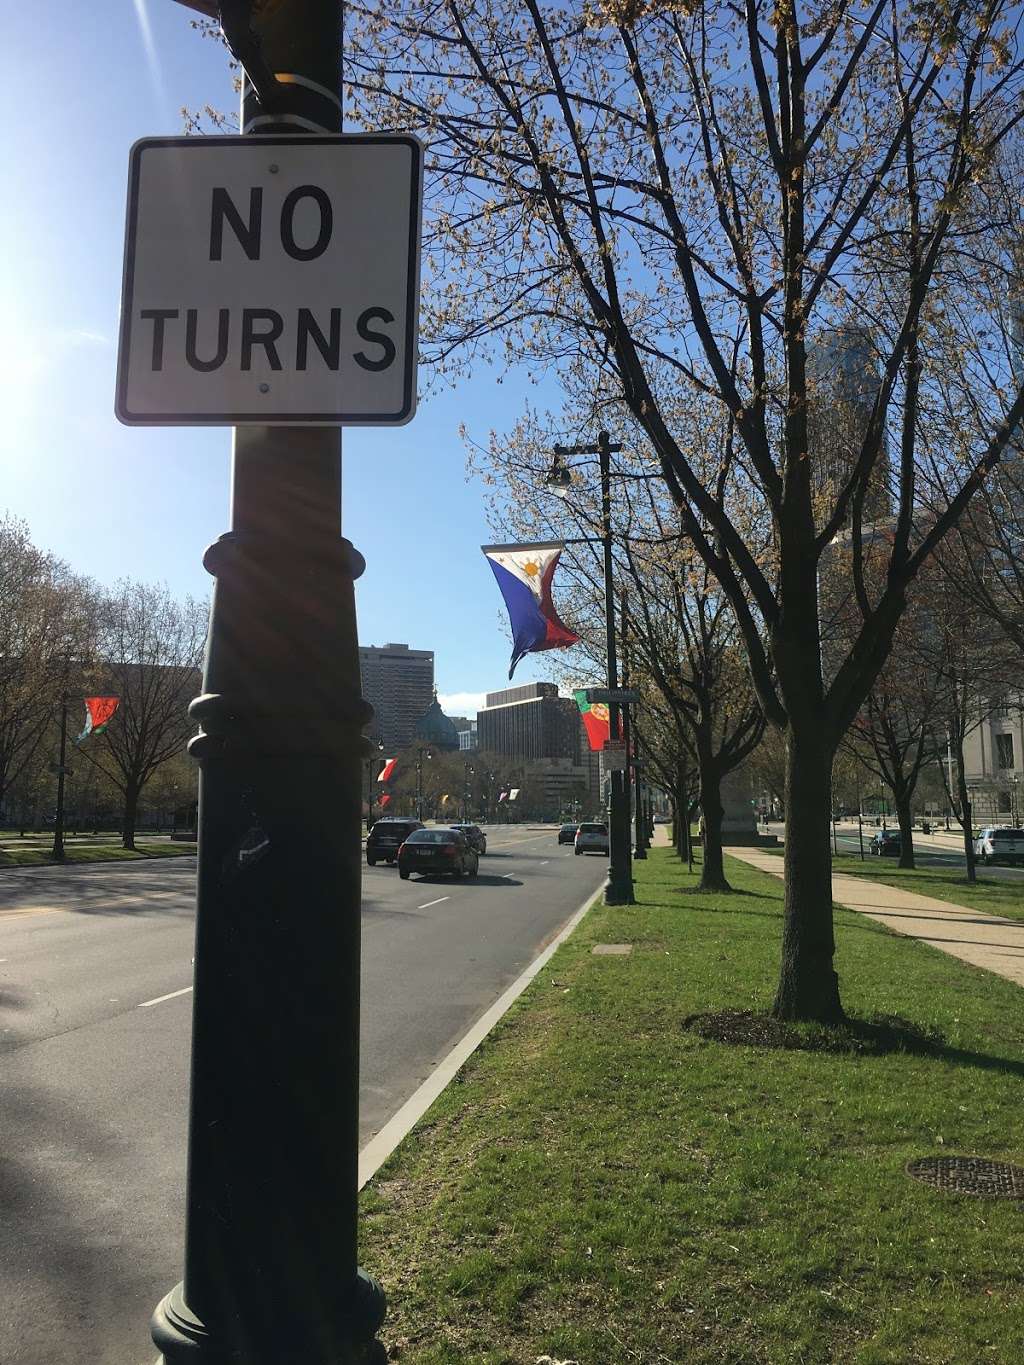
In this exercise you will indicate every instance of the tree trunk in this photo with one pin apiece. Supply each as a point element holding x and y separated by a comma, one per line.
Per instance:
<point>808,984</point>
<point>131,808</point>
<point>906,825</point>
<point>681,804</point>
<point>966,814</point>
<point>712,874</point>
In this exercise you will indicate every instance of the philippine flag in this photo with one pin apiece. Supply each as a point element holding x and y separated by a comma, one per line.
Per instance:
<point>524,574</point>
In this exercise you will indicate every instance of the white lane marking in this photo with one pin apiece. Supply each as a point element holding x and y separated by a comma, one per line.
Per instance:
<point>510,876</point>
<point>545,862</point>
<point>161,998</point>
<point>379,1148</point>
<point>430,903</point>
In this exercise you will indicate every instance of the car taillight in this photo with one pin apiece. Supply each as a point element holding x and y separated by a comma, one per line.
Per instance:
<point>450,849</point>
<point>401,848</point>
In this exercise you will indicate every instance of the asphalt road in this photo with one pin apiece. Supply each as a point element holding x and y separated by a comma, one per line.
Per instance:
<point>926,854</point>
<point>95,970</point>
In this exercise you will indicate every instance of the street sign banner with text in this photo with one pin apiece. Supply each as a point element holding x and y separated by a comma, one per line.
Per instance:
<point>271,280</point>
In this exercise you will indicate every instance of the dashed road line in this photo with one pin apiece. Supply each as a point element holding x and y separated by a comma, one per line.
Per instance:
<point>430,903</point>
<point>161,998</point>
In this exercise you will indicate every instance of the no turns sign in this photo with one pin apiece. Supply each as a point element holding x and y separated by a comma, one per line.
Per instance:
<point>270,280</point>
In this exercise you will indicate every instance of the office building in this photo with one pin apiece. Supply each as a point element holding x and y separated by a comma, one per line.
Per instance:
<point>398,682</point>
<point>844,379</point>
<point>530,722</point>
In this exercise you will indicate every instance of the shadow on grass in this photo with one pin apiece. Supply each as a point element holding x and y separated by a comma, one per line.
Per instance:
<point>879,1035</point>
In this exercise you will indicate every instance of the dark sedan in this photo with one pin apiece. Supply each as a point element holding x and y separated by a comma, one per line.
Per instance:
<point>567,833</point>
<point>438,850</point>
<point>475,835</point>
<point>886,841</point>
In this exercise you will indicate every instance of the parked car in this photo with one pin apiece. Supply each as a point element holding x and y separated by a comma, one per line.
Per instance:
<point>438,850</point>
<point>567,833</point>
<point>477,838</point>
<point>886,841</point>
<point>1000,845</point>
<point>386,837</point>
<point>591,837</point>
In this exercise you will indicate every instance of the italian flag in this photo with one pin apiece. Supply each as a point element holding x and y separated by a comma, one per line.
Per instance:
<point>99,712</point>
<point>596,721</point>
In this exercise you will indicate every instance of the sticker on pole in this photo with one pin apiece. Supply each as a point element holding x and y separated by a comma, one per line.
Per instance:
<point>271,280</point>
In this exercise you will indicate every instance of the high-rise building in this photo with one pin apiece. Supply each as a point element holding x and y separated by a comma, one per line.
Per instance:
<point>398,682</point>
<point>843,381</point>
<point>531,721</point>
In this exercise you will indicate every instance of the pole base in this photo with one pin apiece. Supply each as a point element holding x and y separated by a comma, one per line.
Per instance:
<point>184,1340</point>
<point>618,893</point>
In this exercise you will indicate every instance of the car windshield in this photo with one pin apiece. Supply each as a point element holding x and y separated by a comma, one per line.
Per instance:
<point>391,827</point>
<point>568,826</point>
<point>593,829</point>
<point>432,836</point>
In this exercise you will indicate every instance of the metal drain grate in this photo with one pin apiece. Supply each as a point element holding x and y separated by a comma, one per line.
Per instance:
<point>969,1175</point>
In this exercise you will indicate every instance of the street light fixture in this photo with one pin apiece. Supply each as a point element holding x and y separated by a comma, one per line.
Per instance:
<point>369,786</point>
<point>420,755</point>
<point>470,770</point>
<point>619,887</point>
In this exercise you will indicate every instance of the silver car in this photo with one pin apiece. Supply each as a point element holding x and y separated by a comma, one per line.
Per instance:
<point>591,838</point>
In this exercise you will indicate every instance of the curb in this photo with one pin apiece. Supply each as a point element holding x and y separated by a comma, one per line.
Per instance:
<point>379,1148</point>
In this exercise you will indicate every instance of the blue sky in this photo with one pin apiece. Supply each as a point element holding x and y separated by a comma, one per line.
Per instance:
<point>85,81</point>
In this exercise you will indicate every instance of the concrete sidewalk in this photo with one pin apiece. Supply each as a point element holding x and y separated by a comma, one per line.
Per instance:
<point>987,941</point>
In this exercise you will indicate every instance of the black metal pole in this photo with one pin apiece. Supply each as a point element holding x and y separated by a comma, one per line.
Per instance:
<point>635,800</point>
<point>58,819</point>
<point>619,886</point>
<point>271,1271</point>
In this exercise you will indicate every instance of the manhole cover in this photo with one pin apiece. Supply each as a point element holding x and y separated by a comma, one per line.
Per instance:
<point>969,1175</point>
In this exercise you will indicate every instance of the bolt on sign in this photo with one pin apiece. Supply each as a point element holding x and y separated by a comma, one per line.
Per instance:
<point>271,280</point>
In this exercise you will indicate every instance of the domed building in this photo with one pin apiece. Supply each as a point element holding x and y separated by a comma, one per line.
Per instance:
<point>436,729</point>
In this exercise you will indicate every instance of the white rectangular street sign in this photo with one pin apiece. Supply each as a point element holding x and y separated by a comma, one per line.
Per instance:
<point>271,281</point>
<point>614,755</point>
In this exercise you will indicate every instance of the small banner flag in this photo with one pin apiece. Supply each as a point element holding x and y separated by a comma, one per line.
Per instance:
<point>502,796</point>
<point>524,574</point>
<point>387,770</point>
<point>596,721</point>
<point>384,799</point>
<point>99,712</point>
<point>513,793</point>
<point>444,799</point>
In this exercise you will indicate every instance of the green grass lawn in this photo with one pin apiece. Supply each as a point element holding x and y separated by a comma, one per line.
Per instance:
<point>994,895</point>
<point>603,1185</point>
<point>38,854</point>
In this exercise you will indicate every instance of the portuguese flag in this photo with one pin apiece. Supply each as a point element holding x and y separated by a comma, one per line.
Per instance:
<point>99,712</point>
<point>596,721</point>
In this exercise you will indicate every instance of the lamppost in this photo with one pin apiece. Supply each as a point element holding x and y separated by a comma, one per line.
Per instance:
<point>466,793</point>
<point>619,887</point>
<point>421,754</point>
<point>369,786</point>
<point>271,1265</point>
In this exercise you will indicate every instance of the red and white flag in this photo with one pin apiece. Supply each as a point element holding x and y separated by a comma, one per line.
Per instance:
<point>387,770</point>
